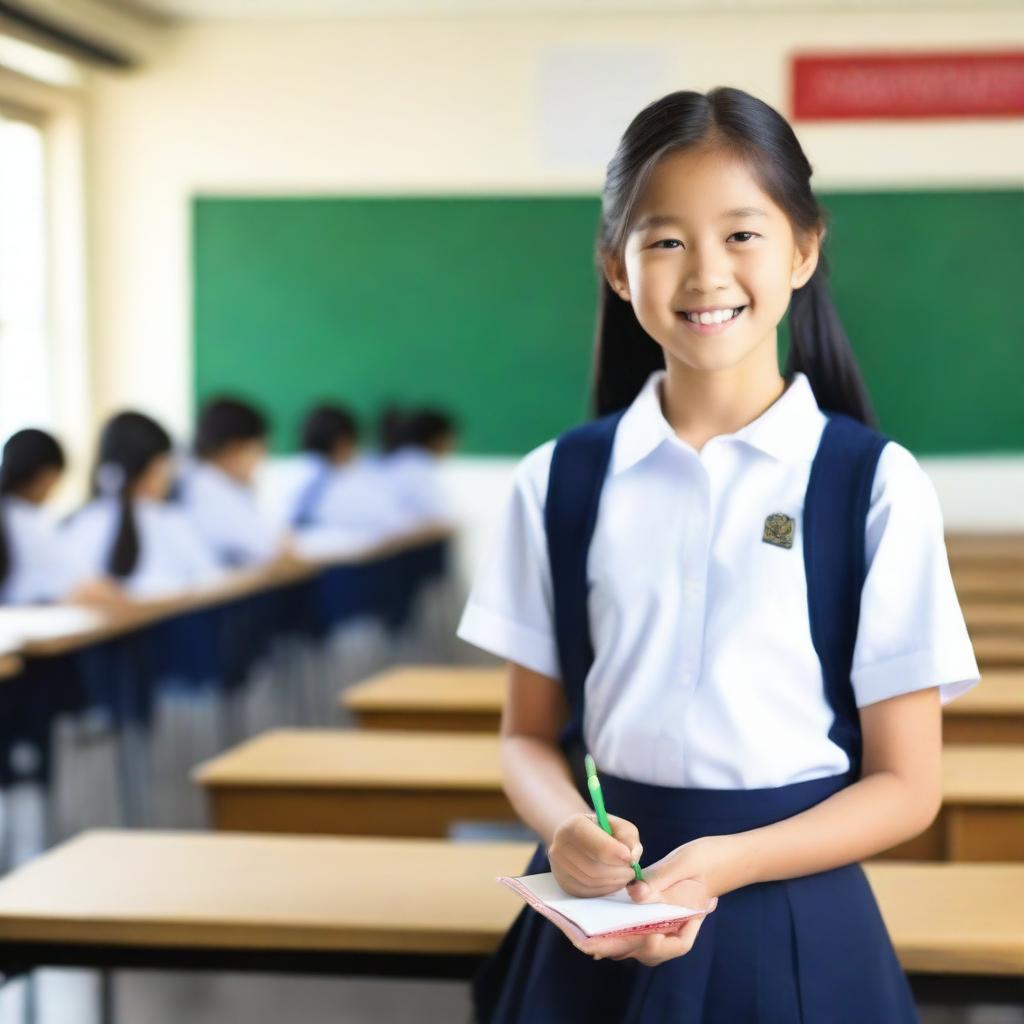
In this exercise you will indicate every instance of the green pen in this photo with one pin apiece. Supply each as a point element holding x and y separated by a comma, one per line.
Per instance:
<point>597,799</point>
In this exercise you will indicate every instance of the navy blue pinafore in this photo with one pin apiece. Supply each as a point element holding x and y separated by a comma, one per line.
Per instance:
<point>807,950</point>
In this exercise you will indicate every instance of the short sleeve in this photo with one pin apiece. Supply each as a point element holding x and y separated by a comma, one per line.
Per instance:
<point>912,633</point>
<point>509,611</point>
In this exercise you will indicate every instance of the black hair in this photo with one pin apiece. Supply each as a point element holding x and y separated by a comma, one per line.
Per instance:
<point>424,427</point>
<point>325,425</point>
<point>733,121</point>
<point>129,442</point>
<point>26,454</point>
<point>391,428</point>
<point>225,420</point>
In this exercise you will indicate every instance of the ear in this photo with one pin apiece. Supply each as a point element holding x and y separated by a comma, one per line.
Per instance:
<point>615,273</point>
<point>805,258</point>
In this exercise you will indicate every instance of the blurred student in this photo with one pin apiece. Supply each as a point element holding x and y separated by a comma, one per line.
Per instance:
<point>414,444</point>
<point>342,490</point>
<point>128,531</point>
<point>35,563</point>
<point>217,490</point>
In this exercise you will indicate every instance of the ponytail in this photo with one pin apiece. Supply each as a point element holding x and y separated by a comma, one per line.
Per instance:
<point>124,555</point>
<point>819,348</point>
<point>129,442</point>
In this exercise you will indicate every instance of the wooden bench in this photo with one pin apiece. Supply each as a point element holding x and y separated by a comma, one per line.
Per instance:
<point>194,901</point>
<point>436,699</point>
<point>991,712</point>
<point>345,782</point>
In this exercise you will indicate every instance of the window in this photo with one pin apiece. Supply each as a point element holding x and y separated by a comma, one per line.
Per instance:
<point>26,395</point>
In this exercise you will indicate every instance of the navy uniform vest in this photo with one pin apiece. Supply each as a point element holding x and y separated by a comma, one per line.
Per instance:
<point>835,508</point>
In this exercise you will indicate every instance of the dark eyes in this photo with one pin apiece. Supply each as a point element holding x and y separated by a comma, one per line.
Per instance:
<point>673,242</point>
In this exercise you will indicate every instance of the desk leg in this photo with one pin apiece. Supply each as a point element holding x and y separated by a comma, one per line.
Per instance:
<point>106,997</point>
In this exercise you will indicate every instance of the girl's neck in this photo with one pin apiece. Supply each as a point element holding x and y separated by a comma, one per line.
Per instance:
<point>700,405</point>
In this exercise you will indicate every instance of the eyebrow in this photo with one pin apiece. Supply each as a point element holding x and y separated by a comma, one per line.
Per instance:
<point>656,220</point>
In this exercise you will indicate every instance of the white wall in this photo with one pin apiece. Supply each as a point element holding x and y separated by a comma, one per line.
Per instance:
<point>458,105</point>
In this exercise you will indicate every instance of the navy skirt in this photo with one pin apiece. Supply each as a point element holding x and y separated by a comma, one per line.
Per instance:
<point>808,950</point>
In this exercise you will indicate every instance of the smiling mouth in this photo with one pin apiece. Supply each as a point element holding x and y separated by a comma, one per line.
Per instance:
<point>719,318</point>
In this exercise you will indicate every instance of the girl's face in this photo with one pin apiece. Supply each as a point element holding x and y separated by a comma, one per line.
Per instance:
<point>705,236</point>
<point>155,481</point>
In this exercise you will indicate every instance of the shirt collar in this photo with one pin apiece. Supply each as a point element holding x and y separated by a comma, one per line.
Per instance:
<point>788,430</point>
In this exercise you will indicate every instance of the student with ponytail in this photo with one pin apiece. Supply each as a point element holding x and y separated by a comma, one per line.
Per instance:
<point>128,531</point>
<point>731,590</point>
<point>35,565</point>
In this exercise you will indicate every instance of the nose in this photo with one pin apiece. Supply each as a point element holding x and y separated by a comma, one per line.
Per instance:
<point>707,270</point>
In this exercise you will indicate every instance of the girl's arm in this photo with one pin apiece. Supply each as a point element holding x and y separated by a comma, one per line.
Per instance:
<point>897,798</point>
<point>585,860</point>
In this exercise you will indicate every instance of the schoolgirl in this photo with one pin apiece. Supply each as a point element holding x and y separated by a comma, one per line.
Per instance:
<point>734,592</point>
<point>35,564</point>
<point>128,531</point>
<point>343,493</point>
<point>217,488</point>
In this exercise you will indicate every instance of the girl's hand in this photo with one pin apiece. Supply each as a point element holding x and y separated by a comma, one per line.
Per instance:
<point>690,876</point>
<point>586,861</point>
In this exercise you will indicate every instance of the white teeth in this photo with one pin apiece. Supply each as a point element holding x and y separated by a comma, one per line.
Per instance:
<point>717,317</point>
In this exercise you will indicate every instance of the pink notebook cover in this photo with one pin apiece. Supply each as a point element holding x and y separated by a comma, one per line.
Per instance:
<point>668,925</point>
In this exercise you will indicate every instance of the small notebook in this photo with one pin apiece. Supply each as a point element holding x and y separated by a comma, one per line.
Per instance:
<point>596,916</point>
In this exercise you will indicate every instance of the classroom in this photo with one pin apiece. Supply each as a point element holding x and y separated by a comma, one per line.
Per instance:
<point>511,511</point>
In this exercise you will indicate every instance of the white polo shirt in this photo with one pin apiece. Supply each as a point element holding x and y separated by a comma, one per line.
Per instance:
<point>704,673</point>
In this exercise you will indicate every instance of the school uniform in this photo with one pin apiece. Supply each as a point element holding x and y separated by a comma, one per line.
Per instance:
<point>172,556</point>
<point>226,515</point>
<point>717,619</point>
<point>42,567</point>
<point>356,500</point>
<point>414,476</point>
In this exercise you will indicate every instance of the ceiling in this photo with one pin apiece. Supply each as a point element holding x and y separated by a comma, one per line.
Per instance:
<point>250,9</point>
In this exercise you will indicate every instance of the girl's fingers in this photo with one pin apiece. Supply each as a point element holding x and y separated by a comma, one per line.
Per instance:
<point>627,834</point>
<point>600,846</point>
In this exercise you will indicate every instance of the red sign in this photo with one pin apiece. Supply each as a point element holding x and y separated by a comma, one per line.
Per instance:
<point>903,85</point>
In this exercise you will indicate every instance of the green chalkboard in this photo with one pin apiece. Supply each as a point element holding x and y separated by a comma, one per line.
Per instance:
<point>486,305</point>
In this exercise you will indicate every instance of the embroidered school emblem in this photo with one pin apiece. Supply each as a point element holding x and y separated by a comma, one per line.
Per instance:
<point>778,530</point>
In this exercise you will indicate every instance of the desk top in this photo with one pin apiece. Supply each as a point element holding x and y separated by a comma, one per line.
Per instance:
<point>10,665</point>
<point>259,891</point>
<point>1000,692</point>
<point>429,688</point>
<point>111,621</point>
<point>231,891</point>
<point>357,759</point>
<point>983,774</point>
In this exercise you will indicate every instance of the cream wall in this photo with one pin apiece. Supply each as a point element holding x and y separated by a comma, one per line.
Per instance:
<point>446,105</point>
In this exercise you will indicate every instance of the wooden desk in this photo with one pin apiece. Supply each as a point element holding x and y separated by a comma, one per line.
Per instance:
<point>10,665</point>
<point>982,816</point>
<point>994,617</point>
<point>439,699</point>
<point>301,904</point>
<point>1005,583</point>
<point>344,782</point>
<point>991,712</point>
<point>985,550</point>
<point>999,650</point>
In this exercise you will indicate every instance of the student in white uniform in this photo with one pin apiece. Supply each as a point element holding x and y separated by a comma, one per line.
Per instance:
<point>343,493</point>
<point>217,489</point>
<point>413,446</point>
<point>128,531</point>
<point>734,593</point>
<point>35,564</point>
